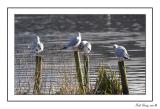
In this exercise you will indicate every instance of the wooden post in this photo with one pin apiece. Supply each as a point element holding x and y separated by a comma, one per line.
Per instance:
<point>86,72</point>
<point>79,71</point>
<point>123,77</point>
<point>38,71</point>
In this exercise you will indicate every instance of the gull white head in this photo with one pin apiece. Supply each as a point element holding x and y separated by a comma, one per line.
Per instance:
<point>115,46</point>
<point>36,38</point>
<point>85,46</point>
<point>79,34</point>
<point>84,43</point>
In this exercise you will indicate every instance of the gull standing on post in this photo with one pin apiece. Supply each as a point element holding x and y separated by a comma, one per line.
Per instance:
<point>85,46</point>
<point>74,42</point>
<point>37,45</point>
<point>120,52</point>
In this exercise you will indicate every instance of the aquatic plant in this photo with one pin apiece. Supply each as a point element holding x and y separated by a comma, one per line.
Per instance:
<point>67,88</point>
<point>107,82</point>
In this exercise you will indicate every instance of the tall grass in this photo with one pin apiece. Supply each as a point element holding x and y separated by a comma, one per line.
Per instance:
<point>68,87</point>
<point>107,82</point>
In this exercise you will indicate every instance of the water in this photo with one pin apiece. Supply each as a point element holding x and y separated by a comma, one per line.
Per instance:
<point>57,64</point>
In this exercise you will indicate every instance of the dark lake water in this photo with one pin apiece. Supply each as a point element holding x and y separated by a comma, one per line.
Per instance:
<point>57,64</point>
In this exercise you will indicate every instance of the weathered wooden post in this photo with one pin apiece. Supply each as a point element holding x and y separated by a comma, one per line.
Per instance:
<point>79,72</point>
<point>122,70</point>
<point>86,72</point>
<point>38,75</point>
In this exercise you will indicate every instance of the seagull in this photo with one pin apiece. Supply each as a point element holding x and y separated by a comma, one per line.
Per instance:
<point>120,52</point>
<point>74,42</point>
<point>37,45</point>
<point>85,46</point>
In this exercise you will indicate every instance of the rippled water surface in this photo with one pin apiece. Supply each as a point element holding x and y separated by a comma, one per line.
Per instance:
<point>57,64</point>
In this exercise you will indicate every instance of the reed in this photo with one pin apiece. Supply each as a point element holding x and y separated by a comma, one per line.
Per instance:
<point>67,87</point>
<point>38,71</point>
<point>107,82</point>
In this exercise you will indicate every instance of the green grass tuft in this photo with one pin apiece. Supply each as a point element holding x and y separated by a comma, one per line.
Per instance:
<point>107,82</point>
